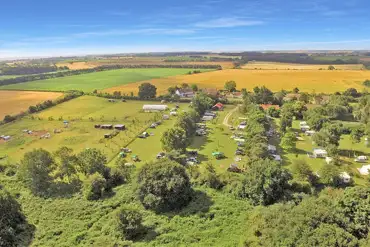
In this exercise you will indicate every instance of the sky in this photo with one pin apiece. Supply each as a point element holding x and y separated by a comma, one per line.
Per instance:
<point>30,28</point>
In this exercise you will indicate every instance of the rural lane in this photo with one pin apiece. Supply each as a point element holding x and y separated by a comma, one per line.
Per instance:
<point>226,119</point>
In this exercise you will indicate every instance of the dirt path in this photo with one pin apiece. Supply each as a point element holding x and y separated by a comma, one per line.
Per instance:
<point>226,119</point>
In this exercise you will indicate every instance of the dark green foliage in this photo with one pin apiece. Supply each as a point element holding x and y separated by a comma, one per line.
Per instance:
<point>329,175</point>
<point>366,83</point>
<point>331,67</point>
<point>263,95</point>
<point>201,103</point>
<point>354,206</point>
<point>288,142</point>
<point>316,118</point>
<point>11,219</point>
<point>66,163</point>
<point>302,171</point>
<point>273,112</point>
<point>129,223</point>
<point>352,92</point>
<point>8,119</point>
<point>174,139</point>
<point>230,86</point>
<point>147,91</point>
<point>163,186</point>
<point>210,178</point>
<point>333,219</point>
<point>265,183</point>
<point>187,121</point>
<point>92,160</point>
<point>94,187</point>
<point>35,170</point>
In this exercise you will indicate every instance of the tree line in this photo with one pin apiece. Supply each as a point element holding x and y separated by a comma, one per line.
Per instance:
<point>28,70</point>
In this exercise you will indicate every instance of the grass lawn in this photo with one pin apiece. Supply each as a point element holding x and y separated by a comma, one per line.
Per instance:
<point>82,113</point>
<point>98,80</point>
<point>217,140</point>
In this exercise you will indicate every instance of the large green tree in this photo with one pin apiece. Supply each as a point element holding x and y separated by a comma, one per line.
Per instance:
<point>130,222</point>
<point>92,160</point>
<point>35,170</point>
<point>11,219</point>
<point>163,186</point>
<point>174,139</point>
<point>147,91</point>
<point>230,86</point>
<point>265,183</point>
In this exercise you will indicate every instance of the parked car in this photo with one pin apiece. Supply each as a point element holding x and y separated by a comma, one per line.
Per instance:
<point>153,126</point>
<point>192,161</point>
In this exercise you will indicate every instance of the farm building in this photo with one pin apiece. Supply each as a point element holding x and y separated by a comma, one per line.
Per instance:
<point>320,153</point>
<point>120,127</point>
<point>97,126</point>
<point>106,126</point>
<point>218,107</point>
<point>111,100</point>
<point>365,170</point>
<point>154,108</point>
<point>185,93</point>
<point>267,106</point>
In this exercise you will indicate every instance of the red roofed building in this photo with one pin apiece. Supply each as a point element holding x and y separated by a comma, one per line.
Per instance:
<point>218,107</point>
<point>267,106</point>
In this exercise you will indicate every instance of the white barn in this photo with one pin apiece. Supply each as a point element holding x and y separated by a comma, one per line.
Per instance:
<point>153,108</point>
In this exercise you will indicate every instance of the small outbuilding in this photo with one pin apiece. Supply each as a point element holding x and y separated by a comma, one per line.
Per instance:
<point>106,126</point>
<point>97,126</point>
<point>107,136</point>
<point>218,107</point>
<point>120,127</point>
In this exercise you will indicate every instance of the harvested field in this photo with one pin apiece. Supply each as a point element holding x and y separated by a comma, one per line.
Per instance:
<point>77,65</point>
<point>138,61</point>
<point>14,102</point>
<point>319,80</point>
<point>293,66</point>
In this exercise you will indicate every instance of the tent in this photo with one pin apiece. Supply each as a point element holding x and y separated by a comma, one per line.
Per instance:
<point>365,170</point>
<point>320,153</point>
<point>218,155</point>
<point>149,108</point>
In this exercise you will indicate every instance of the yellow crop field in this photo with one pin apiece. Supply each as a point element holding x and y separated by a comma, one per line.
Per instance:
<point>77,65</point>
<point>324,81</point>
<point>14,102</point>
<point>294,66</point>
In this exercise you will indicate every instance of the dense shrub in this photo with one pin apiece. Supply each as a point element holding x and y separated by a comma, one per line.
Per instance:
<point>11,219</point>
<point>129,223</point>
<point>94,187</point>
<point>163,186</point>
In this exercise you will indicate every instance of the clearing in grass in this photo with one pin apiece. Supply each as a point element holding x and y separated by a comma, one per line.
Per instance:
<point>320,81</point>
<point>15,102</point>
<point>98,80</point>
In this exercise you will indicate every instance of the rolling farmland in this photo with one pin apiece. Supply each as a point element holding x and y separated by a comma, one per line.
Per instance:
<point>98,80</point>
<point>319,80</point>
<point>14,102</point>
<point>290,66</point>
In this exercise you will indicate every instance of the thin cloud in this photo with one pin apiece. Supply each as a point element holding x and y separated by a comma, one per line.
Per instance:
<point>202,38</point>
<point>228,22</point>
<point>146,31</point>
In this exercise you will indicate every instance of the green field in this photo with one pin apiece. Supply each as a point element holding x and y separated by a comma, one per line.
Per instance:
<point>98,80</point>
<point>82,113</point>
